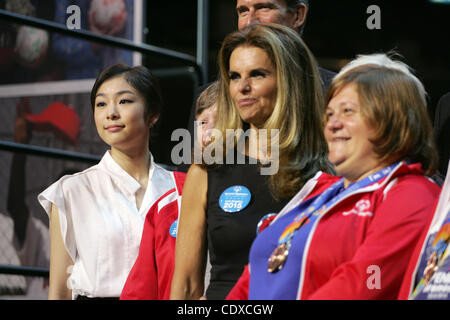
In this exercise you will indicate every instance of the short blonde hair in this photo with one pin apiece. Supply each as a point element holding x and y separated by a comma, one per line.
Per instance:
<point>393,102</point>
<point>207,98</point>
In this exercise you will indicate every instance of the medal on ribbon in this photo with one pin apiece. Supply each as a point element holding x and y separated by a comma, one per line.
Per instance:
<point>319,206</point>
<point>279,255</point>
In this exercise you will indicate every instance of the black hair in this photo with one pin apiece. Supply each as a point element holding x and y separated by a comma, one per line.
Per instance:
<point>138,77</point>
<point>292,5</point>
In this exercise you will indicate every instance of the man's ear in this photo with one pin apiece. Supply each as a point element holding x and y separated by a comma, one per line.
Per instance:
<point>300,16</point>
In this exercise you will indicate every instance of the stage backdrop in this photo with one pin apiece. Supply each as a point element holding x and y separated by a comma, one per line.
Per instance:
<point>45,80</point>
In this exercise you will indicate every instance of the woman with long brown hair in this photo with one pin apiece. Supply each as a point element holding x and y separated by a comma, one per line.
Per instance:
<point>268,81</point>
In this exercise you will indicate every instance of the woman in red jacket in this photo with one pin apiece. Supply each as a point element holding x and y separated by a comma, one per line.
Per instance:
<point>352,237</point>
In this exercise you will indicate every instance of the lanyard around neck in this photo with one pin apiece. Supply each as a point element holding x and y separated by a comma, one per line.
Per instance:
<point>330,197</point>
<point>324,201</point>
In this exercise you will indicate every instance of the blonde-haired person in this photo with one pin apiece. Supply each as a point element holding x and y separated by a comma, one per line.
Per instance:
<point>352,237</point>
<point>205,113</point>
<point>295,109</point>
<point>264,84</point>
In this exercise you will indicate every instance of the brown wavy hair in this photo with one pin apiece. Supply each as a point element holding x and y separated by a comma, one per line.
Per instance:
<point>394,104</point>
<point>298,109</point>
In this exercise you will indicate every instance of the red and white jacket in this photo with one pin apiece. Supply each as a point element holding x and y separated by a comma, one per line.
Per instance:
<point>360,247</point>
<point>151,275</point>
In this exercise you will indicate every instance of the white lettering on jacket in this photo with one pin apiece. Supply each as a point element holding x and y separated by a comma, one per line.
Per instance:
<point>360,209</point>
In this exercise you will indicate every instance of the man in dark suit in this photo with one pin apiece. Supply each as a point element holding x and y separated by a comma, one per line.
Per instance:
<point>291,13</point>
<point>442,132</point>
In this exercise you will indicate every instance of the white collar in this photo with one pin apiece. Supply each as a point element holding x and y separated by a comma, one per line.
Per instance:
<point>124,181</point>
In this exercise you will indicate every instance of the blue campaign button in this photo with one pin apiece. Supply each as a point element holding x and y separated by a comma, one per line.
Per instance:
<point>173,229</point>
<point>235,199</point>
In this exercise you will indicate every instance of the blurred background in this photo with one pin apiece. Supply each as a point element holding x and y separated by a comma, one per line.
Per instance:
<point>46,119</point>
<point>335,31</point>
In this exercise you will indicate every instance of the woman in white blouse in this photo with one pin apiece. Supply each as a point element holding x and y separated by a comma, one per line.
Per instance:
<point>97,216</point>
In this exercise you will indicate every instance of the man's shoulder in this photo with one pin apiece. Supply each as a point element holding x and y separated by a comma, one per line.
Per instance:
<point>443,109</point>
<point>327,77</point>
<point>445,99</point>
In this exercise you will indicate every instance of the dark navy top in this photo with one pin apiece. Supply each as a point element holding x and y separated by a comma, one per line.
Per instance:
<point>230,235</point>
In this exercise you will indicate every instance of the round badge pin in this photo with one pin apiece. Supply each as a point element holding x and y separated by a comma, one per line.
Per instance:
<point>235,199</point>
<point>173,229</point>
<point>264,222</point>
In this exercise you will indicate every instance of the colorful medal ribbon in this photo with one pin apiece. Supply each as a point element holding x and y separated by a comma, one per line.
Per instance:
<point>324,201</point>
<point>439,252</point>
